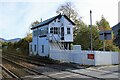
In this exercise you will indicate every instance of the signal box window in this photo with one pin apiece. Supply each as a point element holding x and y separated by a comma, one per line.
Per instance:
<point>68,30</point>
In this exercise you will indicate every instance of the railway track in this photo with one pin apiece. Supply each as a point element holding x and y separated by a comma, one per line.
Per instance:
<point>38,62</point>
<point>26,59</point>
<point>30,69</point>
<point>20,58</point>
<point>9,74</point>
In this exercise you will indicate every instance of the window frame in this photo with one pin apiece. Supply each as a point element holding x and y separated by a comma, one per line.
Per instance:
<point>54,30</point>
<point>31,47</point>
<point>51,30</point>
<point>43,31</point>
<point>68,30</point>
<point>42,49</point>
<point>35,48</point>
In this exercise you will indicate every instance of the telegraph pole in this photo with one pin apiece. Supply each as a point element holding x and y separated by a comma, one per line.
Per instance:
<point>91,30</point>
<point>103,45</point>
<point>104,41</point>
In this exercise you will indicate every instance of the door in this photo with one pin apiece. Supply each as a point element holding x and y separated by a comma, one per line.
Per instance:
<point>62,33</point>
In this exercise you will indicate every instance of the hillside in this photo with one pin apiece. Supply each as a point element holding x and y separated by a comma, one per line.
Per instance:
<point>10,40</point>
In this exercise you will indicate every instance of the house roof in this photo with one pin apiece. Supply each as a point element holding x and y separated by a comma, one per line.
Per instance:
<point>116,27</point>
<point>50,20</point>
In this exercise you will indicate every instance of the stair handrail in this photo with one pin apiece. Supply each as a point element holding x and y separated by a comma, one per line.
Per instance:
<point>59,43</point>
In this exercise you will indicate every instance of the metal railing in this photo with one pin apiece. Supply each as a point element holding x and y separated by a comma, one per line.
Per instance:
<point>53,38</point>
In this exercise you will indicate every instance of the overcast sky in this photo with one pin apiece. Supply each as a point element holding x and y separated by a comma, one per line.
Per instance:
<point>17,15</point>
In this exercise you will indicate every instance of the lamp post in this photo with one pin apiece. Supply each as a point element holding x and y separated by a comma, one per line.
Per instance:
<point>91,30</point>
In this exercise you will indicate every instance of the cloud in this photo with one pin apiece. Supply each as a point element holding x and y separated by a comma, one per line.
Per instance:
<point>16,17</point>
<point>108,8</point>
<point>34,1</point>
<point>11,18</point>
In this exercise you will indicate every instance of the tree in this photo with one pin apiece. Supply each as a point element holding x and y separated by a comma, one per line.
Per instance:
<point>4,43</point>
<point>79,24</point>
<point>96,43</point>
<point>68,10</point>
<point>34,23</point>
<point>29,37</point>
<point>103,24</point>
<point>83,38</point>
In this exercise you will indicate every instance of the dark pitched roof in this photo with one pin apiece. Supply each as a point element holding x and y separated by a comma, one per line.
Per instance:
<point>50,20</point>
<point>116,27</point>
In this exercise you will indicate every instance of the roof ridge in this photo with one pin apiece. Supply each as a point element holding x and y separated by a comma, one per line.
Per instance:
<point>47,21</point>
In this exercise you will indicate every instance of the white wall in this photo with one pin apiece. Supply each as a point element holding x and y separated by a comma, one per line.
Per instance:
<point>81,57</point>
<point>68,37</point>
<point>66,23</point>
<point>103,58</point>
<point>55,24</point>
<point>43,41</point>
<point>34,42</point>
<point>74,56</point>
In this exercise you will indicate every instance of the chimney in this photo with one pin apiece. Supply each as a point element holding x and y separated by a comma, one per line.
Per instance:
<point>41,19</point>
